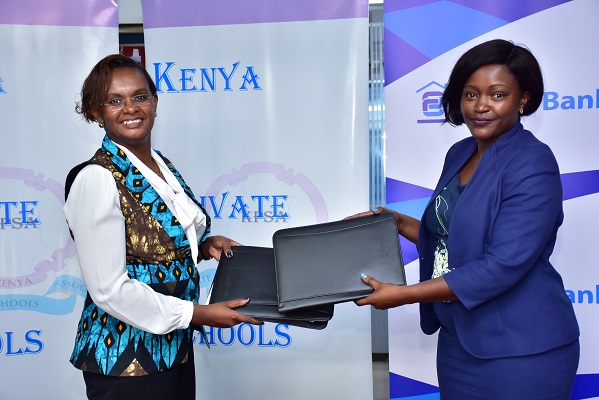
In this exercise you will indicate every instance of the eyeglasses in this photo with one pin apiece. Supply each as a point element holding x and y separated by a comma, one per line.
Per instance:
<point>139,100</point>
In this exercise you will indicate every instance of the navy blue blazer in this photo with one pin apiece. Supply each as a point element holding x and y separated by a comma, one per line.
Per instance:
<point>511,300</point>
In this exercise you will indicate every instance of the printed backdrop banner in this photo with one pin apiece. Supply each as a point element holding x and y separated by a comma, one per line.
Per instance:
<point>48,47</point>
<point>263,108</point>
<point>417,66</point>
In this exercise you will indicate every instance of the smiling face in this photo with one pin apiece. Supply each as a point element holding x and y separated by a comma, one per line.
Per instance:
<point>490,103</point>
<point>132,125</point>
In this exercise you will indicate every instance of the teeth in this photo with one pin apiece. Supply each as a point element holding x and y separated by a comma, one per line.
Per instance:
<point>131,121</point>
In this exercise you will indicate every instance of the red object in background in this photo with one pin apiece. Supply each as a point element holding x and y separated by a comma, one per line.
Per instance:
<point>137,52</point>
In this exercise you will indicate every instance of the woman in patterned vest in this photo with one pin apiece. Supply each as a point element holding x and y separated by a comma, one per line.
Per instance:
<point>139,232</point>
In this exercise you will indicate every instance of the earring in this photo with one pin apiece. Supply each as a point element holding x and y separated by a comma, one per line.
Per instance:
<point>100,124</point>
<point>155,114</point>
<point>521,111</point>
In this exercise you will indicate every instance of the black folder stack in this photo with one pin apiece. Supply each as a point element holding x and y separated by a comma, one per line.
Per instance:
<point>310,269</point>
<point>251,273</point>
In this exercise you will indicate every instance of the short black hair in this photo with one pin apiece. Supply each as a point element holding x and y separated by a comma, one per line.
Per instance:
<point>517,58</point>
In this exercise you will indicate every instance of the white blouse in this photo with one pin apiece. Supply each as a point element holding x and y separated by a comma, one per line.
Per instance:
<point>93,212</point>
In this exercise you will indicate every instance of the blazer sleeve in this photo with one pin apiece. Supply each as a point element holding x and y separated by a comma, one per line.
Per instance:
<point>525,212</point>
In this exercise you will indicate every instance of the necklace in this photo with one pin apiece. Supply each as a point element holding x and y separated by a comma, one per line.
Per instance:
<point>157,171</point>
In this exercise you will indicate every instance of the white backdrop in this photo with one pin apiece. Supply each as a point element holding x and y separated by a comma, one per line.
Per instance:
<point>417,69</point>
<point>286,144</point>
<point>263,109</point>
<point>47,50</point>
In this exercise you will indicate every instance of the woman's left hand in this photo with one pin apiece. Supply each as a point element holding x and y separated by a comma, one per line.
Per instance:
<point>386,295</point>
<point>217,245</point>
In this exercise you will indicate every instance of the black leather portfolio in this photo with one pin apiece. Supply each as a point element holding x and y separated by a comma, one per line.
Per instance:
<point>321,264</point>
<point>251,273</point>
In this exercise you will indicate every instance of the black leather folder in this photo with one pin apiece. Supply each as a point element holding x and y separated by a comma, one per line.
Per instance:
<point>251,273</point>
<point>321,264</point>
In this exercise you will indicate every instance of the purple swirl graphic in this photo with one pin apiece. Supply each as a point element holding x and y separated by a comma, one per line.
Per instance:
<point>56,263</point>
<point>282,174</point>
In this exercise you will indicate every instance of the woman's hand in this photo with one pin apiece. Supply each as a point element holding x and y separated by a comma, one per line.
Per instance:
<point>221,315</point>
<point>406,226</point>
<point>214,246</point>
<point>375,210</point>
<point>386,295</point>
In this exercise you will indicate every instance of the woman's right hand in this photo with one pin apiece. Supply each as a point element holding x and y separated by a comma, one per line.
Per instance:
<point>222,315</point>
<point>406,225</point>
<point>376,210</point>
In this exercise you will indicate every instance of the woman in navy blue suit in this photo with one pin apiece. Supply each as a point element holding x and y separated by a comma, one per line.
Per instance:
<point>507,328</point>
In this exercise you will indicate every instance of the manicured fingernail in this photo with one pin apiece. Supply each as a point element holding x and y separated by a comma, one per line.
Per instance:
<point>246,298</point>
<point>363,275</point>
<point>375,210</point>
<point>229,254</point>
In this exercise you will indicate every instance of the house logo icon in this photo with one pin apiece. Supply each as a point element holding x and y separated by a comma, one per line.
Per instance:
<point>432,109</point>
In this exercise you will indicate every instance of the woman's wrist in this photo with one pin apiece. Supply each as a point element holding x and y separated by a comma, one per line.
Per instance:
<point>197,317</point>
<point>204,253</point>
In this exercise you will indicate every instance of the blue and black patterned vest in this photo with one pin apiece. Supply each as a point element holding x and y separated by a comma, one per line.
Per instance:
<point>159,255</point>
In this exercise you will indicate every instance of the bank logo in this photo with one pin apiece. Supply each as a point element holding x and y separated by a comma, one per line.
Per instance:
<point>432,107</point>
<point>235,77</point>
<point>584,296</point>
<point>554,101</point>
